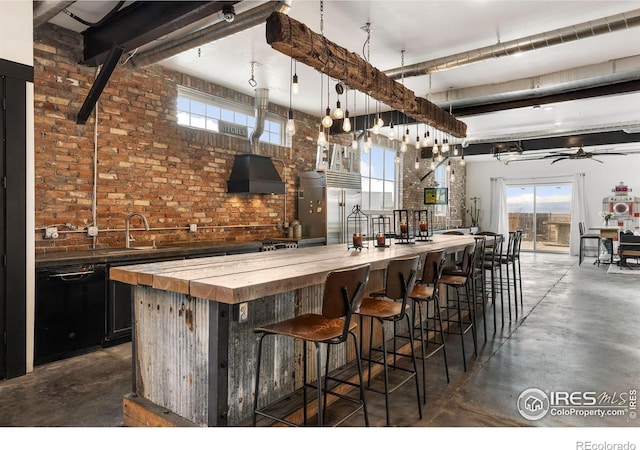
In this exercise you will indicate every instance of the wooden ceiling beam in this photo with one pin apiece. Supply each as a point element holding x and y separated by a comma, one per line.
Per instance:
<point>295,39</point>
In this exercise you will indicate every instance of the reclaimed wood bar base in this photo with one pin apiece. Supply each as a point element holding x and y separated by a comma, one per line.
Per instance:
<point>194,353</point>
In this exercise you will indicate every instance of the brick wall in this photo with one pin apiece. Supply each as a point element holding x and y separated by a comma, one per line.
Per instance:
<point>174,175</point>
<point>413,189</point>
<point>146,163</point>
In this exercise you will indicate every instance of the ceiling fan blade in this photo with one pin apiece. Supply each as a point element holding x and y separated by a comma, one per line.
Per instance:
<point>611,153</point>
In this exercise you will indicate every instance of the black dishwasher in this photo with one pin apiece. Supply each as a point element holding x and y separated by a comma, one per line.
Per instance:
<point>70,311</point>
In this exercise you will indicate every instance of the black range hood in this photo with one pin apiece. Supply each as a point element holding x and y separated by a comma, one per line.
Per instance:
<point>254,174</point>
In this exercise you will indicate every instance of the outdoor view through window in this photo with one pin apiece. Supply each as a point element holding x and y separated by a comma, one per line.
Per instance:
<point>543,212</point>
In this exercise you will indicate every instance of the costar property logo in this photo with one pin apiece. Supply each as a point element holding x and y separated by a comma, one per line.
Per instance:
<point>533,404</point>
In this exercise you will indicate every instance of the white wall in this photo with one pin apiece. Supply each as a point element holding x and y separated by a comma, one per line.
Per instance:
<point>600,179</point>
<point>16,44</point>
<point>16,31</point>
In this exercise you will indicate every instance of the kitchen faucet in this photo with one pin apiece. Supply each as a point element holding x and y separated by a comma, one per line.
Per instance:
<point>128,238</point>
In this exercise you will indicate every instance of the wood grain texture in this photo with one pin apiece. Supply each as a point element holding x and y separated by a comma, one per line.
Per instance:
<point>240,278</point>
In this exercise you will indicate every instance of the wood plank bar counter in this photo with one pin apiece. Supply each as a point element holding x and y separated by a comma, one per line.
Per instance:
<point>193,352</point>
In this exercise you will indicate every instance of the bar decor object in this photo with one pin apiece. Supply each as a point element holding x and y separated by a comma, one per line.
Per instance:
<point>381,228</point>
<point>357,223</point>
<point>423,224</point>
<point>403,227</point>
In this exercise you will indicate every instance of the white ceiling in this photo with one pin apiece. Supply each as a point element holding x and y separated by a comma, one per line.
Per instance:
<point>433,29</point>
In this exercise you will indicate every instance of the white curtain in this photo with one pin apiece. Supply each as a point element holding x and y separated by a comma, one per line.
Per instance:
<point>499,219</point>
<point>579,212</point>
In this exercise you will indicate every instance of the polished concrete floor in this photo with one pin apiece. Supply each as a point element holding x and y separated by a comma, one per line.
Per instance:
<point>578,334</point>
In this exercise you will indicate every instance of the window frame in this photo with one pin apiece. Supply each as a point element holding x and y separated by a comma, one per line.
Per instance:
<point>226,106</point>
<point>367,178</point>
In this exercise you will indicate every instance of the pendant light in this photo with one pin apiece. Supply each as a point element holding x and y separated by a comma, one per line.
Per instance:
<point>321,137</point>
<point>417,138</point>
<point>338,113</point>
<point>294,80</point>
<point>391,132</point>
<point>327,121</point>
<point>290,128</point>
<point>346,122</point>
<point>416,164</point>
<point>426,140</point>
<point>354,142</point>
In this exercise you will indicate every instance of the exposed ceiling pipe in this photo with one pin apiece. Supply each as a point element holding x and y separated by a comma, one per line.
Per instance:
<point>564,35</point>
<point>261,106</point>
<point>45,10</point>
<point>243,21</point>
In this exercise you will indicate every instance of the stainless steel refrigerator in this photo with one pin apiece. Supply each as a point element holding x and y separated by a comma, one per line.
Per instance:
<point>325,200</point>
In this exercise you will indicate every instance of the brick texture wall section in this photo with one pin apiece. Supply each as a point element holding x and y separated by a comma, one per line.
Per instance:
<point>173,175</point>
<point>413,190</point>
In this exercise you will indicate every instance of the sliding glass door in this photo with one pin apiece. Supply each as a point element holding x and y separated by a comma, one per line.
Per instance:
<point>543,212</point>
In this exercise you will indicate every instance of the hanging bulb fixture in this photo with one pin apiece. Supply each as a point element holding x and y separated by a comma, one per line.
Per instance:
<point>453,176</point>
<point>321,138</point>
<point>327,121</point>
<point>432,166</point>
<point>346,122</point>
<point>426,140</point>
<point>416,164</point>
<point>294,84</point>
<point>435,146</point>
<point>405,138</point>
<point>462,163</point>
<point>403,147</point>
<point>367,142</point>
<point>354,142</point>
<point>445,146</point>
<point>440,157</point>
<point>338,114</point>
<point>397,159</point>
<point>449,166</point>
<point>391,132</point>
<point>455,150</point>
<point>290,129</point>
<point>417,142</point>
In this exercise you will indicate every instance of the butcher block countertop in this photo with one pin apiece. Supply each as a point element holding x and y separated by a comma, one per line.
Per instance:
<point>239,278</point>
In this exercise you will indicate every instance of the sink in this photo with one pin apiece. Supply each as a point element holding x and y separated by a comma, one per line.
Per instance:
<point>130,250</point>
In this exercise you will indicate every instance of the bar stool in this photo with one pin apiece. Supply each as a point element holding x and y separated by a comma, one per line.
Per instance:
<point>492,265</point>
<point>343,293</point>
<point>457,281</point>
<point>511,260</point>
<point>391,306</point>
<point>478,279</point>
<point>426,292</point>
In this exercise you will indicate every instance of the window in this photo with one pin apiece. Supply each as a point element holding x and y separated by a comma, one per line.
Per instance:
<point>441,177</point>
<point>380,180</point>
<point>200,110</point>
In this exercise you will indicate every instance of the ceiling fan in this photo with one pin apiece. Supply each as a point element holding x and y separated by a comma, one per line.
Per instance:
<point>579,154</point>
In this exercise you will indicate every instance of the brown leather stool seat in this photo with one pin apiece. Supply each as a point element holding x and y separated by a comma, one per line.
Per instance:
<point>343,293</point>
<point>391,306</point>
<point>464,282</point>
<point>425,292</point>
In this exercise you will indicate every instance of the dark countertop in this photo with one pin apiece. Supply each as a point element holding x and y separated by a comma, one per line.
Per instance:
<point>165,251</point>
